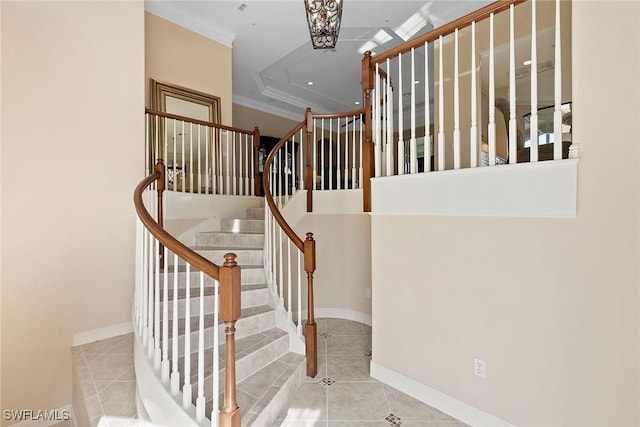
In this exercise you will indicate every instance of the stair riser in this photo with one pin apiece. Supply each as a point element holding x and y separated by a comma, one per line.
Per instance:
<point>230,240</point>
<point>244,256</point>
<point>248,276</point>
<point>255,213</point>
<point>245,326</point>
<point>274,407</point>
<point>249,298</point>
<point>242,225</point>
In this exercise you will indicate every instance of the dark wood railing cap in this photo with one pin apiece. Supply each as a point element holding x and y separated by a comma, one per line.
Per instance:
<point>309,236</point>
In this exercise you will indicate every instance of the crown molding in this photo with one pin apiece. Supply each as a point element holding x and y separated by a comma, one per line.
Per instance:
<point>165,10</point>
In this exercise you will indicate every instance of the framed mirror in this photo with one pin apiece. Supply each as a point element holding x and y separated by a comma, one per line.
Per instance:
<point>183,147</point>
<point>170,98</point>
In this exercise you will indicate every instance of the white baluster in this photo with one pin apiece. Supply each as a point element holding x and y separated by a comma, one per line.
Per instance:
<point>216,354</point>
<point>377,143</point>
<point>289,282</point>
<point>389,124</point>
<point>186,389</point>
<point>157,354</point>
<point>191,168</point>
<point>513,124</point>
<point>279,178</point>
<point>441,107</point>
<point>345,173</point>
<point>165,316</point>
<point>322,171</point>
<point>300,279</point>
<point>400,119</point>
<point>227,172</point>
<point>145,286</point>
<point>413,155</point>
<point>427,111</point>
<point>175,181</point>
<point>557,85</point>
<point>199,162</point>
<point>360,170</point>
<point>280,267</point>
<point>330,154</point>
<point>200,400</point>
<point>314,144</point>
<point>456,105</point>
<point>234,174</point>
<point>252,159</point>
<point>214,156</point>
<point>184,163</point>
<point>474,100</point>
<point>206,161</point>
<point>353,156</point>
<point>302,160</point>
<point>285,171</point>
<point>221,181</point>
<point>492,96</point>
<point>338,170</point>
<point>533,124</point>
<point>175,374</point>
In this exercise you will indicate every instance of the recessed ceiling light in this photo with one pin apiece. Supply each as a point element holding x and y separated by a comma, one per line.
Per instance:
<point>416,82</point>
<point>357,102</point>
<point>527,62</point>
<point>242,7</point>
<point>310,83</point>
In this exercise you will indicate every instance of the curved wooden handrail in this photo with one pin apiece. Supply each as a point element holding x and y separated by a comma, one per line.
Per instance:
<point>166,239</point>
<point>462,22</point>
<point>197,122</point>
<point>267,190</point>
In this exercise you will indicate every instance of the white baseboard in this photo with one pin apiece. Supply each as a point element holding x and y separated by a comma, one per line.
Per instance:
<point>102,333</point>
<point>343,313</point>
<point>442,402</point>
<point>45,423</point>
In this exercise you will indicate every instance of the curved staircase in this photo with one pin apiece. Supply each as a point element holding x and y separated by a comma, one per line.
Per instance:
<point>267,373</point>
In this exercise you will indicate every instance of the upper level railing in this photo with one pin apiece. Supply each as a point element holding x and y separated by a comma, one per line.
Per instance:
<point>165,269</point>
<point>203,157</point>
<point>447,88</point>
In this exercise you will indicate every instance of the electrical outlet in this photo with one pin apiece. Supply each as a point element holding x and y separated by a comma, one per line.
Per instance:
<point>480,368</point>
<point>367,293</point>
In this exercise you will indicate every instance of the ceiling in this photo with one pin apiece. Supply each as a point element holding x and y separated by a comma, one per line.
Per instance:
<point>273,60</point>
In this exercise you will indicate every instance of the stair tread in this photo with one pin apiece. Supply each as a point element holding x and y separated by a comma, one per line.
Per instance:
<point>209,290</point>
<point>209,318</point>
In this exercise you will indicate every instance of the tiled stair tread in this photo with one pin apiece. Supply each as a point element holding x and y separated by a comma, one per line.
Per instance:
<point>244,347</point>
<point>208,318</point>
<point>256,391</point>
<point>209,290</point>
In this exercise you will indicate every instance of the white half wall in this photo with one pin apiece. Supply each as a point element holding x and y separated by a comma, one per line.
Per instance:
<point>542,189</point>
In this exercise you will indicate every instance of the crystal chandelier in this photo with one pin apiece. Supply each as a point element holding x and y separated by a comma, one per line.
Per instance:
<point>324,18</point>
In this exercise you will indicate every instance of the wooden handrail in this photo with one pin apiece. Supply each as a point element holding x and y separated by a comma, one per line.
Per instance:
<point>196,121</point>
<point>228,275</point>
<point>166,239</point>
<point>339,115</point>
<point>462,22</point>
<point>267,191</point>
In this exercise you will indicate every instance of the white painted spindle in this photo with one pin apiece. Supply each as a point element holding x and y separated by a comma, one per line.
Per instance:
<point>400,119</point>
<point>474,101</point>
<point>175,374</point>
<point>427,111</point>
<point>377,144</point>
<point>456,104</point>
<point>330,154</point>
<point>216,354</point>
<point>184,163</point>
<point>157,354</point>
<point>338,170</point>
<point>200,400</point>
<point>557,85</point>
<point>413,155</point>
<point>186,388</point>
<point>289,282</point>
<point>492,96</point>
<point>300,280</point>
<point>513,124</point>
<point>440,106</point>
<point>322,171</point>
<point>533,123</point>
<point>164,371</point>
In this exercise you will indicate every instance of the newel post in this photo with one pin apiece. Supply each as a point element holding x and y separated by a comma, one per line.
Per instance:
<point>367,146</point>
<point>230,313</point>
<point>309,169</point>
<point>160,182</point>
<point>256,164</point>
<point>310,329</point>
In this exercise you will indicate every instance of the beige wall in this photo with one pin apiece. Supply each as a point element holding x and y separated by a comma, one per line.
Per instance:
<point>179,56</point>
<point>556,315</point>
<point>72,152</point>
<point>269,124</point>
<point>343,260</point>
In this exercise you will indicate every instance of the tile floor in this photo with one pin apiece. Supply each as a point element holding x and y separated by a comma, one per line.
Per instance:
<point>341,395</point>
<point>344,395</point>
